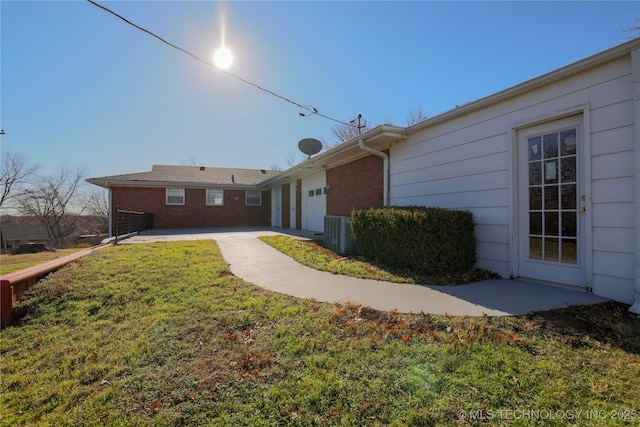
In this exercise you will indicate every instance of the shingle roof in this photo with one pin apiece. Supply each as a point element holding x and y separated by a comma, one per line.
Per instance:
<point>189,175</point>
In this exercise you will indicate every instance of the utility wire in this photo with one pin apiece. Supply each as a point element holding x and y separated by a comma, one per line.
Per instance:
<point>305,110</point>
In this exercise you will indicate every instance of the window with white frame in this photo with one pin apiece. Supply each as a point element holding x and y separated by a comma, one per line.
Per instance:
<point>214,197</point>
<point>253,198</point>
<point>175,196</point>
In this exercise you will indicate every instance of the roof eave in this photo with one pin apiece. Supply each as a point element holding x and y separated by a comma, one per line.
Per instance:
<point>380,138</point>
<point>107,183</point>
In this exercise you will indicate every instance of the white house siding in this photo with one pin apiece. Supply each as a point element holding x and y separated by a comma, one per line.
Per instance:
<point>466,162</point>
<point>454,165</point>
<point>612,174</point>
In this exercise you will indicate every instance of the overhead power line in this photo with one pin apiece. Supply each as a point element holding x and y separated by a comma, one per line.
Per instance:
<point>304,110</point>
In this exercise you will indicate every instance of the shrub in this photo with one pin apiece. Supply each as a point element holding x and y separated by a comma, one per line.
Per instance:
<point>427,240</point>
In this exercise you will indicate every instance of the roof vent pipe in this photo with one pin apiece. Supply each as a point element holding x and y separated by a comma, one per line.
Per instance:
<point>385,170</point>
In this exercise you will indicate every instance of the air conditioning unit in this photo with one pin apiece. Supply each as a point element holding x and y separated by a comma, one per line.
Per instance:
<point>337,234</point>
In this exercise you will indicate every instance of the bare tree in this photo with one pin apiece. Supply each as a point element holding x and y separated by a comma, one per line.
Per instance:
<point>416,115</point>
<point>97,205</point>
<point>16,172</point>
<point>347,131</point>
<point>50,201</point>
<point>634,29</point>
<point>293,159</point>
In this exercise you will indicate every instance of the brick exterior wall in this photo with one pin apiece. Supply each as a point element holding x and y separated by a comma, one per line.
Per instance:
<point>194,213</point>
<point>355,185</point>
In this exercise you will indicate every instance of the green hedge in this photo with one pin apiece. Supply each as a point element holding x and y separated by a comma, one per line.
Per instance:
<point>427,240</point>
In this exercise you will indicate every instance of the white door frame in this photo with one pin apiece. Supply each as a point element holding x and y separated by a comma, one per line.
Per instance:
<point>519,228</point>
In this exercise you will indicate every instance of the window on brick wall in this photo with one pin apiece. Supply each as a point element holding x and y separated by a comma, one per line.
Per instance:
<point>175,196</point>
<point>253,198</point>
<point>214,197</point>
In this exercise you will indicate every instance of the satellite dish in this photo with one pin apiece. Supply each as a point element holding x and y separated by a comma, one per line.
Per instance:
<point>310,146</point>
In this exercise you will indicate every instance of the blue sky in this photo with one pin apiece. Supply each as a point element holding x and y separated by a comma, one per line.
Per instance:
<point>81,87</point>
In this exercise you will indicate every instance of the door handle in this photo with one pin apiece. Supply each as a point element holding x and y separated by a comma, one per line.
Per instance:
<point>583,210</point>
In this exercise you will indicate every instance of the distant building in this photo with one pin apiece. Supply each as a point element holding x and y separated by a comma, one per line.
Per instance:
<point>15,235</point>
<point>193,196</point>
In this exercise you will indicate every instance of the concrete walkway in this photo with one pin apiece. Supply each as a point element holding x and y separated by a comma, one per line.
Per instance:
<point>256,262</point>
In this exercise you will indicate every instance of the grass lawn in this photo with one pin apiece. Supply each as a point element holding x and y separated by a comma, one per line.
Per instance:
<point>11,263</point>
<point>164,334</point>
<point>312,254</point>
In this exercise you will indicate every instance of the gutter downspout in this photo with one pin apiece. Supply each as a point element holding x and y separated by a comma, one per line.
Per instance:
<point>385,171</point>
<point>635,72</point>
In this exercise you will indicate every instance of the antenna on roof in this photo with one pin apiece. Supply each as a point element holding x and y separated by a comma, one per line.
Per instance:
<point>310,146</point>
<point>361,123</point>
